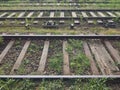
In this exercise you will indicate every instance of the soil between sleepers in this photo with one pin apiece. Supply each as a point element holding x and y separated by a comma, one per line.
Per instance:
<point>116,45</point>
<point>11,57</point>
<point>31,60</point>
<point>54,59</point>
<point>3,45</point>
<point>79,63</point>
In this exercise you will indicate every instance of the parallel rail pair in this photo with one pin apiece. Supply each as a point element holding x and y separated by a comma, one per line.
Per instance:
<point>89,49</point>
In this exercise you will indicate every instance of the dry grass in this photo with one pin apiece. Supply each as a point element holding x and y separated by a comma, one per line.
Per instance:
<point>91,30</point>
<point>111,32</point>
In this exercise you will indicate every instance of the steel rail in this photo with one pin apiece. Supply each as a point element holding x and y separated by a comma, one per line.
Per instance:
<point>58,76</point>
<point>59,18</point>
<point>55,2</point>
<point>80,10</point>
<point>61,36</point>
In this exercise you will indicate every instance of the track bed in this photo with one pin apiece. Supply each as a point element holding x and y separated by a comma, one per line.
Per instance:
<point>60,56</point>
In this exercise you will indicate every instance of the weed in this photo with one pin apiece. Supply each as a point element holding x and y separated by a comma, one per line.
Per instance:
<point>26,21</point>
<point>51,85</point>
<point>116,19</point>
<point>6,85</point>
<point>55,63</point>
<point>58,84</point>
<point>95,22</point>
<point>27,84</point>
<point>18,45</point>
<point>81,18</point>
<point>21,70</point>
<point>17,42</point>
<point>97,84</point>
<point>55,60</point>
<point>80,63</point>
<point>5,68</point>
<point>13,84</point>
<point>78,60</point>
<point>88,84</point>
<point>117,44</point>
<point>33,48</point>
<point>26,61</point>
<point>73,44</point>
<point>1,40</point>
<point>1,71</point>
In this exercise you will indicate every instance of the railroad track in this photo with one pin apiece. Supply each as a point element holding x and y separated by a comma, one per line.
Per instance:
<point>38,17</point>
<point>59,55</point>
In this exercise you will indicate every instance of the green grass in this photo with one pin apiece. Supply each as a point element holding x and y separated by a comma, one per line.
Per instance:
<point>12,84</point>
<point>55,58</point>
<point>33,48</point>
<point>17,44</point>
<point>74,84</point>
<point>21,70</point>
<point>4,69</point>
<point>50,84</point>
<point>79,63</point>
<point>82,6</point>
<point>97,84</point>
<point>55,63</point>
<point>1,40</point>
<point>116,45</point>
<point>34,8</point>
